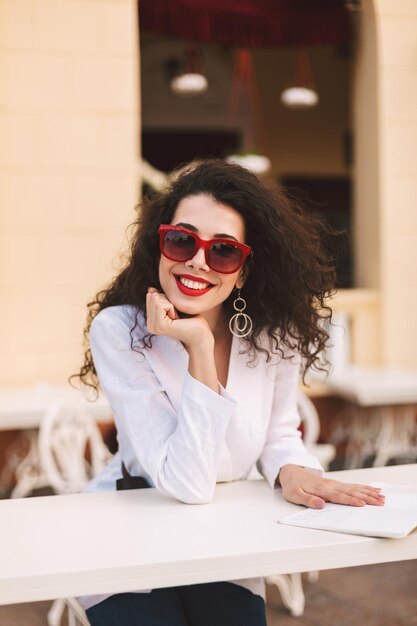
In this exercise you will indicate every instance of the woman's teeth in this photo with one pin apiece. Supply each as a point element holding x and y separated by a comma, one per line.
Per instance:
<point>191,284</point>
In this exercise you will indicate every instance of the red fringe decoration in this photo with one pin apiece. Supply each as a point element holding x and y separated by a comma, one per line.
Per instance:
<point>249,23</point>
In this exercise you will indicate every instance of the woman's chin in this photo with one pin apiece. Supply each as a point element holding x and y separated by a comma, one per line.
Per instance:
<point>188,309</point>
<point>185,310</point>
<point>183,314</point>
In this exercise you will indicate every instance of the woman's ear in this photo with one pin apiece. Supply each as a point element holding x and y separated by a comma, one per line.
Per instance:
<point>241,278</point>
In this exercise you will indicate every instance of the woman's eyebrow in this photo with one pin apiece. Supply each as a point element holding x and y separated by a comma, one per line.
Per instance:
<point>187,226</point>
<point>225,236</point>
<point>195,230</point>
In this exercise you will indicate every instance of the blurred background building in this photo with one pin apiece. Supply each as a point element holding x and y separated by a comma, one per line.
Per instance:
<point>86,94</point>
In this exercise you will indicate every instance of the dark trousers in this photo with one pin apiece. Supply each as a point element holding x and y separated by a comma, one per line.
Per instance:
<point>210,604</point>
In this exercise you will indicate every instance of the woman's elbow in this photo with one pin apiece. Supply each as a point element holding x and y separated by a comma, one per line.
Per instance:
<point>197,495</point>
<point>188,494</point>
<point>197,498</point>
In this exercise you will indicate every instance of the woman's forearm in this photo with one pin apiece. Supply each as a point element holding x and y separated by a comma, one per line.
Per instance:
<point>201,364</point>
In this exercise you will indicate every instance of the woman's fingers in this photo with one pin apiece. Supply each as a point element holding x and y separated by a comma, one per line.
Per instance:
<point>307,499</point>
<point>161,303</point>
<point>163,319</point>
<point>355,495</point>
<point>339,497</point>
<point>159,312</point>
<point>344,493</point>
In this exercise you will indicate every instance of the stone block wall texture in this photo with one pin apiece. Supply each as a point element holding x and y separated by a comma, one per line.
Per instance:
<point>385,121</point>
<point>69,172</point>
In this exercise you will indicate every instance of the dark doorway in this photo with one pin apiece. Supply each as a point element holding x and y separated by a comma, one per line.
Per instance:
<point>168,149</point>
<point>330,197</point>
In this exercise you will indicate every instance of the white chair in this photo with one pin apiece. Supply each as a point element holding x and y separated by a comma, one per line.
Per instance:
<point>324,452</point>
<point>28,473</point>
<point>75,613</point>
<point>71,448</point>
<point>71,451</point>
<point>291,585</point>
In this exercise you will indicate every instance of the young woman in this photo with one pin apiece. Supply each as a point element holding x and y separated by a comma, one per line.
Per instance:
<point>197,345</point>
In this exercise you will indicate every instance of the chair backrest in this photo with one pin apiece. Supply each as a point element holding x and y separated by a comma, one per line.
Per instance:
<point>71,448</point>
<point>324,452</point>
<point>309,418</point>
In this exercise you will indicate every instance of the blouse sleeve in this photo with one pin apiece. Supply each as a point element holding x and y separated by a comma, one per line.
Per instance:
<point>179,449</point>
<point>284,443</point>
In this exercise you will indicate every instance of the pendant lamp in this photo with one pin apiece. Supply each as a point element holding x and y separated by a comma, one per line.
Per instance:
<point>190,80</point>
<point>301,94</point>
<point>245,109</point>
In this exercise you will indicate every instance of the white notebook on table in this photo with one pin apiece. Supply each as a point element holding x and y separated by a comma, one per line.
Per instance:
<point>396,519</point>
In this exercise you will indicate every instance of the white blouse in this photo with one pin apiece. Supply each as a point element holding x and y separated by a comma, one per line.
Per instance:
<point>179,434</point>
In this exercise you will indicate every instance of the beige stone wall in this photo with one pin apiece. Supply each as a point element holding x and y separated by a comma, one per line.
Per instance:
<point>386,171</point>
<point>69,146</point>
<point>397,29</point>
<point>366,114</point>
<point>367,178</point>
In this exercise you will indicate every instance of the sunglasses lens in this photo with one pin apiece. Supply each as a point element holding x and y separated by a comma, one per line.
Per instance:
<point>225,257</point>
<point>178,246</point>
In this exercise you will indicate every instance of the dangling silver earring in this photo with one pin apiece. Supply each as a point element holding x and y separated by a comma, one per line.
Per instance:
<point>240,324</point>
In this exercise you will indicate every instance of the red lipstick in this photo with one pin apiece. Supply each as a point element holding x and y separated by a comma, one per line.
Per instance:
<point>192,292</point>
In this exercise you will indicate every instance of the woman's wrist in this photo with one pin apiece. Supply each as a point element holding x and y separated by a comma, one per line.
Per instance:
<point>201,363</point>
<point>201,345</point>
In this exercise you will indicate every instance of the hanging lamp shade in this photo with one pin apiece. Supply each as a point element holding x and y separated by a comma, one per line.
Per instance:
<point>299,98</point>
<point>190,79</point>
<point>256,163</point>
<point>189,84</point>
<point>301,94</point>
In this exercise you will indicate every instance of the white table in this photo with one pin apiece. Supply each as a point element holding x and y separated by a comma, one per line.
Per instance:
<point>381,417</point>
<point>375,386</point>
<point>60,546</point>
<point>22,408</point>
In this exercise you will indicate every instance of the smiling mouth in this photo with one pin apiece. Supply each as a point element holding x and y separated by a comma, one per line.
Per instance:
<point>193,284</point>
<point>192,287</point>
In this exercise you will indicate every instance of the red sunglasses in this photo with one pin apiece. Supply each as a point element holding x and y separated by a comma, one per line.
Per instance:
<point>222,255</point>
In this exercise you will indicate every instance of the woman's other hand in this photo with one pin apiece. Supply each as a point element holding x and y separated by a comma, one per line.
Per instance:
<point>301,486</point>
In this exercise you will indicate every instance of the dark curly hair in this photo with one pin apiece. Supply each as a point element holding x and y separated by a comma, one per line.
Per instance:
<point>287,280</point>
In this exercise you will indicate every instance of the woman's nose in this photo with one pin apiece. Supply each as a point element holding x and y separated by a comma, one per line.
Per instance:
<point>199,260</point>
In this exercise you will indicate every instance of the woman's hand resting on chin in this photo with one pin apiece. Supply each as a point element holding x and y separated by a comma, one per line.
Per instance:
<point>163,319</point>
<point>301,486</point>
